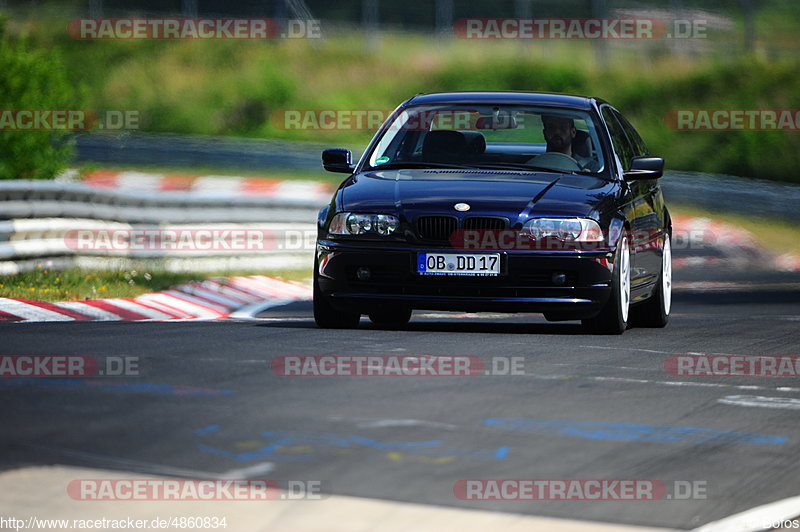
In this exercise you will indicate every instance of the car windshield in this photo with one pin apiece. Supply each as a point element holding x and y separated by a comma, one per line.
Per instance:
<point>492,137</point>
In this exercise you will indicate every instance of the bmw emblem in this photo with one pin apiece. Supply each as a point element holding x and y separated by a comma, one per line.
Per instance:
<point>461,207</point>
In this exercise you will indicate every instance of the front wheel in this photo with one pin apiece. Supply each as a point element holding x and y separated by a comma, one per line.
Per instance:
<point>655,311</point>
<point>613,318</point>
<point>328,317</point>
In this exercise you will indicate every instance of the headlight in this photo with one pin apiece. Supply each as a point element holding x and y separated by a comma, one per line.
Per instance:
<point>347,223</point>
<point>564,229</point>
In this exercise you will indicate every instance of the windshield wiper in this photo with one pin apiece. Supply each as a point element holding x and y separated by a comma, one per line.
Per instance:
<point>523,166</point>
<point>418,164</point>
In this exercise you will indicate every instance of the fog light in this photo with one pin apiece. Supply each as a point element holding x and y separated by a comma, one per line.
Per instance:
<point>559,278</point>
<point>363,274</point>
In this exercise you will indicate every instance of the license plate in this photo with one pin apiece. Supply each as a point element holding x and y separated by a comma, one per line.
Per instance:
<point>458,264</point>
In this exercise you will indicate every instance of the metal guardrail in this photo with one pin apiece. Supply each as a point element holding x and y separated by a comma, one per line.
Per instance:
<point>42,199</point>
<point>36,217</point>
<point>172,150</point>
<point>59,243</point>
<point>739,195</point>
<point>48,237</point>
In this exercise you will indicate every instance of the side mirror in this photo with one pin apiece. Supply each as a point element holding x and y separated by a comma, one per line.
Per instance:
<point>645,168</point>
<point>338,160</point>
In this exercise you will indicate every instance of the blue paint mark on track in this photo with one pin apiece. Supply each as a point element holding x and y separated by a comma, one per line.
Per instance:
<point>633,431</point>
<point>261,453</point>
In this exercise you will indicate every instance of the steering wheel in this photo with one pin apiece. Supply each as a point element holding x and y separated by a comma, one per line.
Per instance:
<point>556,160</point>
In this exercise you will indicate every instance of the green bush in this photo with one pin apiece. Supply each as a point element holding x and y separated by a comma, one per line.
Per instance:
<point>33,79</point>
<point>745,84</point>
<point>742,84</point>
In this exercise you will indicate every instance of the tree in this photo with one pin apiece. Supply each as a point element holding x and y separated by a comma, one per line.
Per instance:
<point>33,80</point>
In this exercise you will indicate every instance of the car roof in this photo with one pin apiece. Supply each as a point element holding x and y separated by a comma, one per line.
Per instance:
<point>550,99</point>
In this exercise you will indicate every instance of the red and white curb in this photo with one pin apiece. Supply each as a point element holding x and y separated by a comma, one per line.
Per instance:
<point>292,189</point>
<point>739,247</point>
<point>207,300</point>
<point>788,263</point>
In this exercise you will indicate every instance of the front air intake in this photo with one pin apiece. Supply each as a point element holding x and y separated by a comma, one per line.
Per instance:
<point>436,228</point>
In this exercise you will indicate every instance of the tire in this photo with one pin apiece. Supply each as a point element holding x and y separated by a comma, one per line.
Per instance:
<point>328,317</point>
<point>655,311</point>
<point>391,318</point>
<point>613,318</point>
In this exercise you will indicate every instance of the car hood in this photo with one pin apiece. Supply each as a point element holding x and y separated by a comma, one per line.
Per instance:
<point>514,195</point>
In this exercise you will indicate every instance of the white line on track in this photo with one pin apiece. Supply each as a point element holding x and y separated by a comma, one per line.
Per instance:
<point>756,519</point>
<point>758,401</point>
<point>692,353</point>
<point>605,366</point>
<point>248,472</point>
<point>158,469</point>
<point>250,311</point>
<point>382,423</point>
<point>664,383</point>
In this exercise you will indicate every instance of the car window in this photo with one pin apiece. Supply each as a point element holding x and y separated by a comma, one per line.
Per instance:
<point>529,126</point>
<point>486,135</point>
<point>619,139</point>
<point>639,147</point>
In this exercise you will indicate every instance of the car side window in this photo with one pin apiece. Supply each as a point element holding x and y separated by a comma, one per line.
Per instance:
<point>639,147</point>
<point>618,138</point>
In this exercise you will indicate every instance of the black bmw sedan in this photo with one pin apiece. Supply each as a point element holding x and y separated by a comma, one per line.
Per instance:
<point>497,201</point>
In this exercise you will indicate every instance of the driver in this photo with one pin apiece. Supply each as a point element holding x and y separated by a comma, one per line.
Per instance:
<point>559,132</point>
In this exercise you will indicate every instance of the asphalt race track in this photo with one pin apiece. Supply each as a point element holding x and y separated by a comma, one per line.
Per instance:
<point>586,407</point>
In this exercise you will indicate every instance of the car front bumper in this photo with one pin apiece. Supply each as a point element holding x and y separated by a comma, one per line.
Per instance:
<point>529,281</point>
